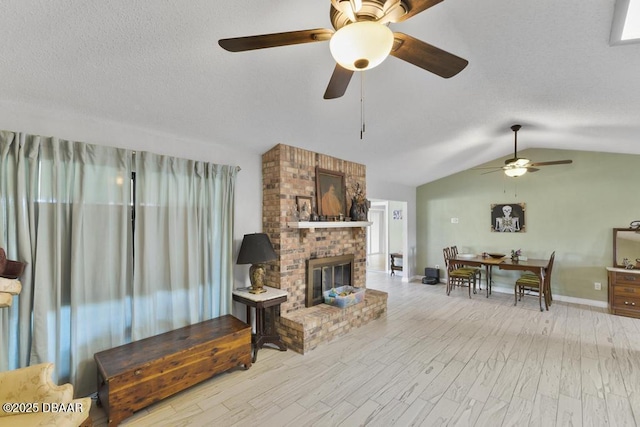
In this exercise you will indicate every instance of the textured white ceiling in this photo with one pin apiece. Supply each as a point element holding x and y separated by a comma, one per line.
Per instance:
<point>156,64</point>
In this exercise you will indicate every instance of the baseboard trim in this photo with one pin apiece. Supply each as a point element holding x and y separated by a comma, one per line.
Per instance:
<point>563,298</point>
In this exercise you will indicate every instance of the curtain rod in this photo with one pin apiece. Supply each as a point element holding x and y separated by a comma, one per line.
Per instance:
<point>238,168</point>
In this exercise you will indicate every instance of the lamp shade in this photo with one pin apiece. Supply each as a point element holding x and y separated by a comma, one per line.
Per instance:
<point>361,45</point>
<point>256,248</point>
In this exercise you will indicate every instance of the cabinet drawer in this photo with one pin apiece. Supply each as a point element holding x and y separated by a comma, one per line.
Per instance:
<point>630,278</point>
<point>626,291</point>
<point>626,302</point>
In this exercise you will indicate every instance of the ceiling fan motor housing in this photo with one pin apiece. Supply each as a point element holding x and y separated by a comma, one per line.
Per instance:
<point>371,10</point>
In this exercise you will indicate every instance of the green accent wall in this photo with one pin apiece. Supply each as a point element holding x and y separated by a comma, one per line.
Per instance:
<point>571,209</point>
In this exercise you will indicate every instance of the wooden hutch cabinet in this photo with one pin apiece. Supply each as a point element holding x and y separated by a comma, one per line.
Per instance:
<point>624,292</point>
<point>624,276</point>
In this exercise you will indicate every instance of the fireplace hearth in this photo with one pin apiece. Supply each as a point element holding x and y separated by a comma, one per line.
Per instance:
<point>326,273</point>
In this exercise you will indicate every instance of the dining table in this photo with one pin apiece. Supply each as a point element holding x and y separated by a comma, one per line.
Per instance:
<point>535,266</point>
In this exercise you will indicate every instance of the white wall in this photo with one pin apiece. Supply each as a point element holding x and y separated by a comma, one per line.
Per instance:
<point>396,234</point>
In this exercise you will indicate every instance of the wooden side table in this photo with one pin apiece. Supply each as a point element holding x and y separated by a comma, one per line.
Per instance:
<point>395,267</point>
<point>265,332</point>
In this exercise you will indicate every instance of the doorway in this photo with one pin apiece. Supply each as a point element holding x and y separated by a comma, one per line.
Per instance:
<point>387,234</point>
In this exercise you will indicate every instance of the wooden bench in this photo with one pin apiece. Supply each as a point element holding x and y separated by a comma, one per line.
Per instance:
<point>135,375</point>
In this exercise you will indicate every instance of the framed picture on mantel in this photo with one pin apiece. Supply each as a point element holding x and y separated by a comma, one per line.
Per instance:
<point>304,207</point>
<point>330,193</point>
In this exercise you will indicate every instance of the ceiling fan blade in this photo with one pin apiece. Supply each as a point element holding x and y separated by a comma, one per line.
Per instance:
<point>417,6</point>
<point>241,44</point>
<point>556,162</point>
<point>338,84</point>
<point>497,170</point>
<point>532,169</point>
<point>426,56</point>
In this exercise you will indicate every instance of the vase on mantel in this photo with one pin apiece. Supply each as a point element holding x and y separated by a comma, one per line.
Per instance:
<point>353,212</point>
<point>359,209</point>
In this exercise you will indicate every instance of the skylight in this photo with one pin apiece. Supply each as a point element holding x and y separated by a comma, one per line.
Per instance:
<point>626,22</point>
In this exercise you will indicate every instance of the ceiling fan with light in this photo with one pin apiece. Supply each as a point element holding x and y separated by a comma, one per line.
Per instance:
<point>517,166</point>
<point>362,40</point>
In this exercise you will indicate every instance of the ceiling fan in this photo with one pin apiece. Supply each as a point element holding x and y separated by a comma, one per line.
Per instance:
<point>518,166</point>
<point>362,40</point>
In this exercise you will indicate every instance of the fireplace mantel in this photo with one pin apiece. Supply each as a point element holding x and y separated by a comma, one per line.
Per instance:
<point>312,225</point>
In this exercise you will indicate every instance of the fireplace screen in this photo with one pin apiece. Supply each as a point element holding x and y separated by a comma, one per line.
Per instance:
<point>326,273</point>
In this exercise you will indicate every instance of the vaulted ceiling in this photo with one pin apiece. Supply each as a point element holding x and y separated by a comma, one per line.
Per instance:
<point>156,64</point>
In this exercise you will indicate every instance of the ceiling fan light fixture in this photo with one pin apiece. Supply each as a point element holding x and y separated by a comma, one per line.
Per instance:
<point>515,172</point>
<point>361,45</point>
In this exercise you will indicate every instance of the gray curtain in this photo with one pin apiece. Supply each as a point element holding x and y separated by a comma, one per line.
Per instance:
<point>66,208</point>
<point>70,221</point>
<point>183,252</point>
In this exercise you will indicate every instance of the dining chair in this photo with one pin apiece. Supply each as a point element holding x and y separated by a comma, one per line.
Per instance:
<point>477,271</point>
<point>456,276</point>
<point>530,282</point>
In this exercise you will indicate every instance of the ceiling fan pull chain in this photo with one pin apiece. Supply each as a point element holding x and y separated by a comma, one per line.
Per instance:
<point>362,127</point>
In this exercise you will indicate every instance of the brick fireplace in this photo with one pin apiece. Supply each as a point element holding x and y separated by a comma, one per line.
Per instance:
<point>288,172</point>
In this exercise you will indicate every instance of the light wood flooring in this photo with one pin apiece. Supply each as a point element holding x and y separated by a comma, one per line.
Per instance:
<point>433,361</point>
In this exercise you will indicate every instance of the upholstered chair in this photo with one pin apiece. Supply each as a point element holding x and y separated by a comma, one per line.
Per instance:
<point>530,283</point>
<point>30,398</point>
<point>458,276</point>
<point>476,270</point>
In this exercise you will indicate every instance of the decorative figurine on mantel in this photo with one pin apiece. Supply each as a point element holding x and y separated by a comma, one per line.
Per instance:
<point>359,205</point>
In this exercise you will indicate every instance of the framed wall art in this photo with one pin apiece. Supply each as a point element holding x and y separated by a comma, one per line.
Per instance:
<point>508,218</point>
<point>302,201</point>
<point>330,193</point>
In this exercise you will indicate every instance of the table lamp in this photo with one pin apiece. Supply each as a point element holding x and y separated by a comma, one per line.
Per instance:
<point>256,249</point>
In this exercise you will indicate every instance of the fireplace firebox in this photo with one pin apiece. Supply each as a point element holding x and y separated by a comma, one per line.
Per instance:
<point>326,273</point>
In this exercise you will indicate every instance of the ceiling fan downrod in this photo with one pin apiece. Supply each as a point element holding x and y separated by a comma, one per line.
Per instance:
<point>362,127</point>
<point>515,129</point>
